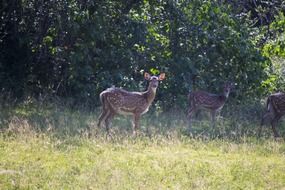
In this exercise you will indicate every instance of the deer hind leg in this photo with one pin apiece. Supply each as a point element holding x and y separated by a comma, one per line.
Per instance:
<point>103,116</point>
<point>273,125</point>
<point>213,115</point>
<point>263,119</point>
<point>105,111</point>
<point>190,115</point>
<point>260,128</point>
<point>108,120</point>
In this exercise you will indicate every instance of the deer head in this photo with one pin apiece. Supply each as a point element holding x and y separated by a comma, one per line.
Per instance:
<point>154,80</point>
<point>228,86</point>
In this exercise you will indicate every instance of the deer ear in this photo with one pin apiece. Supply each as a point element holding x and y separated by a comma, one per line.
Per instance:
<point>161,76</point>
<point>147,76</point>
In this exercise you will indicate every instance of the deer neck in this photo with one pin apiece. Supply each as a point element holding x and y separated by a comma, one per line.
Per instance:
<point>150,94</point>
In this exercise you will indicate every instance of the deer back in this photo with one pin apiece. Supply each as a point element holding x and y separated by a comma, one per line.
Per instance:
<point>206,100</point>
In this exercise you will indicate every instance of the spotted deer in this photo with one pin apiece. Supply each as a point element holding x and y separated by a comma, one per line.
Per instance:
<point>202,100</point>
<point>275,109</point>
<point>118,101</point>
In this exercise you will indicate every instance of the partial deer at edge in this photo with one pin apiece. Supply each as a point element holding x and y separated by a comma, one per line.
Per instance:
<point>118,101</point>
<point>211,102</point>
<point>275,109</point>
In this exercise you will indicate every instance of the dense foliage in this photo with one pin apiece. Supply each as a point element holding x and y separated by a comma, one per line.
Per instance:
<point>76,48</point>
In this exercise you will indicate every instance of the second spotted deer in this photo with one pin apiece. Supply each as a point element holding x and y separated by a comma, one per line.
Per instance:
<point>199,100</point>
<point>118,101</point>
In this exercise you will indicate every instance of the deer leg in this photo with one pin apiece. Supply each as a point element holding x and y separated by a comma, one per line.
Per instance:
<point>197,113</point>
<point>262,123</point>
<point>108,120</point>
<point>260,129</point>
<point>103,116</point>
<point>190,114</point>
<point>136,123</point>
<point>105,109</point>
<point>273,125</point>
<point>213,114</point>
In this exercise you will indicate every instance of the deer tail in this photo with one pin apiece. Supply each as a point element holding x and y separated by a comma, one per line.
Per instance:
<point>103,99</point>
<point>267,103</point>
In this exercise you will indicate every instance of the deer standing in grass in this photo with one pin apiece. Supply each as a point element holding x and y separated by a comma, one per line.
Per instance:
<point>118,101</point>
<point>199,100</point>
<point>275,106</point>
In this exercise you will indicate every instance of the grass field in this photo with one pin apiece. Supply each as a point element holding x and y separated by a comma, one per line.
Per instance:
<point>42,148</point>
<point>41,161</point>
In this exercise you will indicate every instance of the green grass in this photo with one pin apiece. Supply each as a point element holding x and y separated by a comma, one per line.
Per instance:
<point>42,161</point>
<point>48,147</point>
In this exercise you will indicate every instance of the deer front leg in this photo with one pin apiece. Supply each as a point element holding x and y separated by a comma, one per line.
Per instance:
<point>136,123</point>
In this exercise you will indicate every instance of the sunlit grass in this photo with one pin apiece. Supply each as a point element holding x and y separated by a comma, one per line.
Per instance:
<point>42,161</point>
<point>59,148</point>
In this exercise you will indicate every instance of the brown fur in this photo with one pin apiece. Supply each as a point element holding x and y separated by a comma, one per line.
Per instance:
<point>118,101</point>
<point>275,109</point>
<point>211,102</point>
